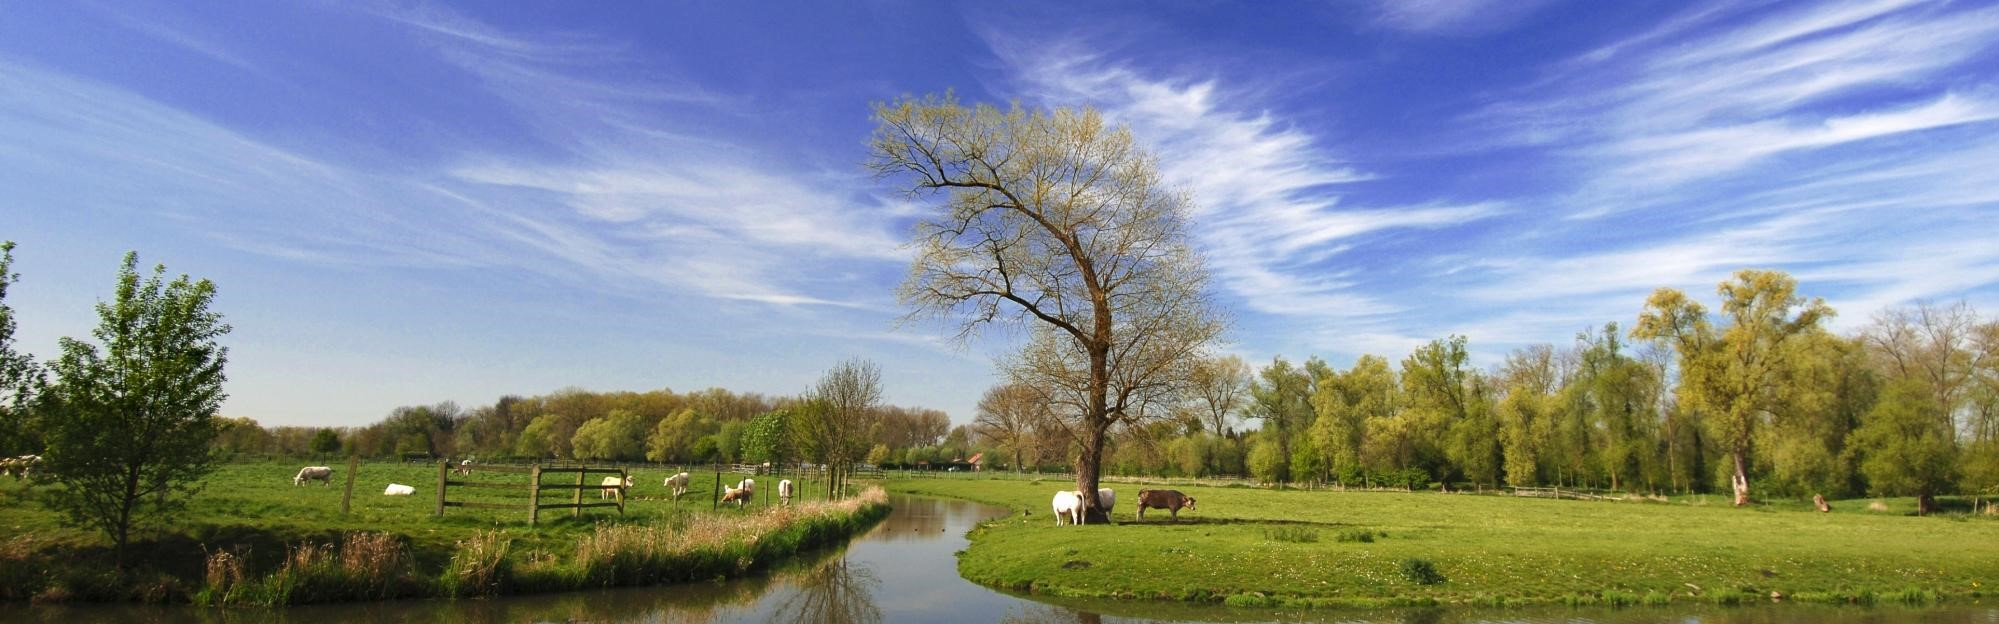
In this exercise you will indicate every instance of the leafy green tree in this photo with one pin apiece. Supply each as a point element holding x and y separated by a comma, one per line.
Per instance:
<point>1267,461</point>
<point>1345,403</point>
<point>1446,405</point>
<point>537,440</point>
<point>1733,375</point>
<point>130,427</point>
<point>1904,446</point>
<point>325,441</point>
<point>21,379</point>
<point>673,439</point>
<point>878,455</point>
<point>1280,396</point>
<point>769,438</point>
<point>617,436</point>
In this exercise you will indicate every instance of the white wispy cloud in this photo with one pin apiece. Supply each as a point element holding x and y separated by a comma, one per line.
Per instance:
<point>1269,210</point>
<point>1456,17</point>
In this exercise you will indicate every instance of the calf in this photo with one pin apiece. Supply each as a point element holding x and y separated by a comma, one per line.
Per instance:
<point>1170,500</point>
<point>1068,504</point>
<point>677,483</point>
<point>784,491</point>
<point>614,486</point>
<point>464,467</point>
<point>739,496</point>
<point>322,474</point>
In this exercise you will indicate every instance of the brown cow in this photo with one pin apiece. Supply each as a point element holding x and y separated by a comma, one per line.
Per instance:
<point>1170,500</point>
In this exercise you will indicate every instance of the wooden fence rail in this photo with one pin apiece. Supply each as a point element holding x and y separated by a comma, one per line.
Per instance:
<point>534,488</point>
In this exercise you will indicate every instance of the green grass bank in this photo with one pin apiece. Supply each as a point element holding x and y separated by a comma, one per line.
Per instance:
<point>1296,548</point>
<point>252,538</point>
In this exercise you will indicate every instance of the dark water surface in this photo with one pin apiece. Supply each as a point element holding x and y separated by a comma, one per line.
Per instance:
<point>904,571</point>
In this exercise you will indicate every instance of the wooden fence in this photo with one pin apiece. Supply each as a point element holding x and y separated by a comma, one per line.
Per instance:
<point>534,488</point>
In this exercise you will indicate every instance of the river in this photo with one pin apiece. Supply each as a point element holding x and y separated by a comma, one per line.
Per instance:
<point>904,571</point>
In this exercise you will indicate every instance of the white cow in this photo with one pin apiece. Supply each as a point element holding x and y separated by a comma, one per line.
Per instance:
<point>465,466</point>
<point>322,474</point>
<point>20,467</point>
<point>614,486</point>
<point>677,483</point>
<point>784,491</point>
<point>1068,505</point>
<point>1108,499</point>
<point>398,489</point>
<point>747,485</point>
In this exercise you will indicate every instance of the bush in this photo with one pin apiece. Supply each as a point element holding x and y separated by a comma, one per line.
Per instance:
<point>1364,536</point>
<point>1421,571</point>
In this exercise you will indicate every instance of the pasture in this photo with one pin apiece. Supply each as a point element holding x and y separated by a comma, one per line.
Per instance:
<point>1260,547</point>
<point>253,509</point>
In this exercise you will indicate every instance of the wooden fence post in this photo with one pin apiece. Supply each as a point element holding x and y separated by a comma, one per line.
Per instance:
<point>534,495</point>
<point>715,498</point>
<point>622,476</point>
<point>443,466</point>
<point>577,511</point>
<point>347,494</point>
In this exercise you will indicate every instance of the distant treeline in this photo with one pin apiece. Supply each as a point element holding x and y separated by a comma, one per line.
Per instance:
<point>1908,405</point>
<point>658,425</point>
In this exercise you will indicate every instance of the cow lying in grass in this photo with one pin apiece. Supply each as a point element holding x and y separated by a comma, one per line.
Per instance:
<point>1170,500</point>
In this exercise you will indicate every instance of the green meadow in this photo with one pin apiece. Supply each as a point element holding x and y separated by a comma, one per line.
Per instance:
<point>251,536</point>
<point>1299,548</point>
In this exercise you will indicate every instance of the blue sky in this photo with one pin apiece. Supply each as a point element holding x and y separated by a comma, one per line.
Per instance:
<point>405,203</point>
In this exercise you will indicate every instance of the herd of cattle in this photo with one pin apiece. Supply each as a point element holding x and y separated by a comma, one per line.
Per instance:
<point>740,494</point>
<point>1068,504</point>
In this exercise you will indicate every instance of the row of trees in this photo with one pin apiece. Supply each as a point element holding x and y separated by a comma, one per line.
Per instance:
<point>1907,406</point>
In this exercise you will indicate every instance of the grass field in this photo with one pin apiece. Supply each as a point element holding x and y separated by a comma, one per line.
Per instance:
<point>1258,547</point>
<point>254,512</point>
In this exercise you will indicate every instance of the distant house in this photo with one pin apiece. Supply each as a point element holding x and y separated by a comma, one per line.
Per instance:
<point>977,461</point>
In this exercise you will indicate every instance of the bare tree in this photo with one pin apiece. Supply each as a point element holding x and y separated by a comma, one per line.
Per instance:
<point>1219,384</point>
<point>1932,344</point>
<point>848,397</point>
<point>1006,416</point>
<point>1052,220</point>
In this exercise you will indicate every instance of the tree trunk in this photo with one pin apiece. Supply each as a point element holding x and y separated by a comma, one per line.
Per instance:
<point>1925,504</point>
<point>1087,482</point>
<point>1741,479</point>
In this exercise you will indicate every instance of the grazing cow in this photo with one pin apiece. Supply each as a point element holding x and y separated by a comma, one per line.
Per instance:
<point>22,467</point>
<point>678,483</point>
<point>398,489</point>
<point>1170,500</point>
<point>322,474</point>
<point>784,491</point>
<point>464,466</point>
<point>1107,499</point>
<point>1068,504</point>
<point>737,495</point>
<point>614,486</point>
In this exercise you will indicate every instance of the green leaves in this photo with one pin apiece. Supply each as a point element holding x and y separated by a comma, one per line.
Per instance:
<point>129,427</point>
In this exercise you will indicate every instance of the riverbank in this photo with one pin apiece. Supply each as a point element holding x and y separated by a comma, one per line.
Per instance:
<point>1263,548</point>
<point>254,540</point>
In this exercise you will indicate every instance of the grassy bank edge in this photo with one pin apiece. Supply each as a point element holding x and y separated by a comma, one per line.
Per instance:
<point>364,566</point>
<point>1040,584</point>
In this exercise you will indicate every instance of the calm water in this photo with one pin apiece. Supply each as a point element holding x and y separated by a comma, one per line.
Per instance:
<point>904,571</point>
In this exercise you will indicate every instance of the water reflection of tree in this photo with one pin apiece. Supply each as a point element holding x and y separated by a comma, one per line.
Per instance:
<point>838,592</point>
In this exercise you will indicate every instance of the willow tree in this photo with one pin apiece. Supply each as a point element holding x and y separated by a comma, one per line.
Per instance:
<point>1053,221</point>
<point>1735,375</point>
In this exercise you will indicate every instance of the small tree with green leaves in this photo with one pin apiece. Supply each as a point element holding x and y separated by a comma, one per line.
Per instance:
<point>1905,448</point>
<point>20,377</point>
<point>768,438</point>
<point>129,427</point>
<point>324,442</point>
